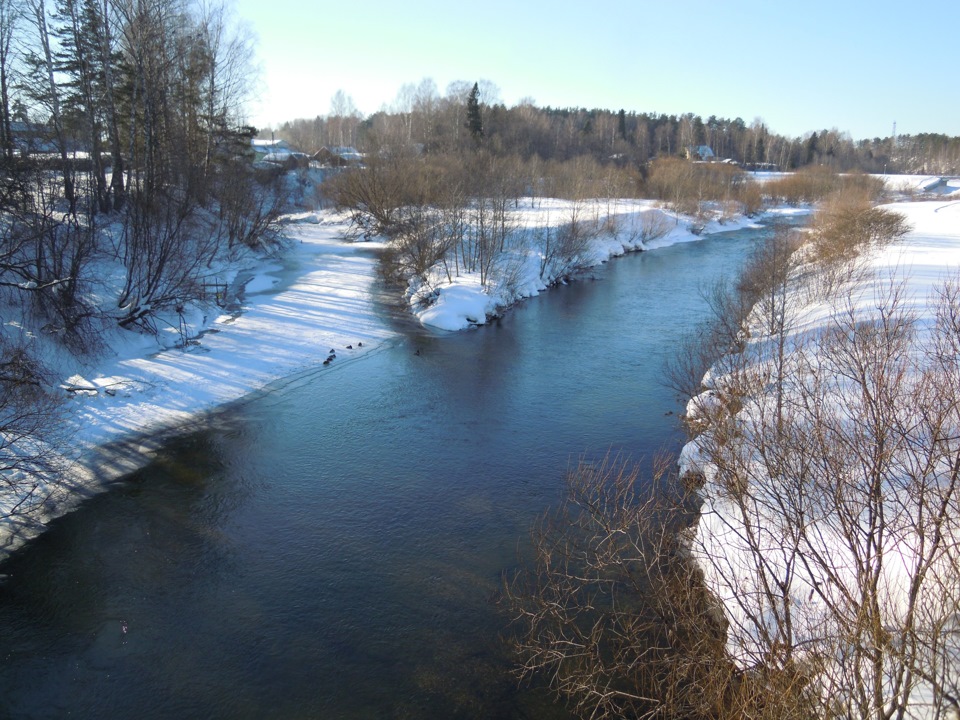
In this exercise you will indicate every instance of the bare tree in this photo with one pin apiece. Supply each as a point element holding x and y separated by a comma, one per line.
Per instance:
<point>456,104</point>
<point>11,14</point>
<point>342,120</point>
<point>48,92</point>
<point>28,427</point>
<point>425,100</point>
<point>163,255</point>
<point>228,48</point>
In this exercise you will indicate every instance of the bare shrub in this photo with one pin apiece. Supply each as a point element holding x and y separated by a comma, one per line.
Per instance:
<point>688,186</point>
<point>760,292</point>
<point>672,180</point>
<point>163,255</point>
<point>509,273</point>
<point>748,194</point>
<point>420,240</point>
<point>249,206</point>
<point>614,611</point>
<point>45,256</point>
<point>611,610</point>
<point>563,250</point>
<point>28,428</point>
<point>653,226</point>
<point>374,195</point>
<point>816,182</point>
<point>848,223</point>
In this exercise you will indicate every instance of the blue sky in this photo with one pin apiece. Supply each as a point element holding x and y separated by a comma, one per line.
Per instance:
<point>799,67</point>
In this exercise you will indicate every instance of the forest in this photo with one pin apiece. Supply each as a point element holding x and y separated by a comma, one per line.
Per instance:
<point>122,142</point>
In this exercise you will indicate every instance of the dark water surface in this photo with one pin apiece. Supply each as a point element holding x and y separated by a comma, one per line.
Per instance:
<point>332,549</point>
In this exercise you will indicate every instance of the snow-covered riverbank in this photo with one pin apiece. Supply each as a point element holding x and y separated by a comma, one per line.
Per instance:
<point>830,502</point>
<point>295,310</point>
<point>524,269</point>
<point>317,297</point>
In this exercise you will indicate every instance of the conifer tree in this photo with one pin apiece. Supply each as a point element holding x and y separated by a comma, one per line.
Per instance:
<point>474,120</point>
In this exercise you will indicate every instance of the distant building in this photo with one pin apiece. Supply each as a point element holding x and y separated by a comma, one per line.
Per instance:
<point>700,152</point>
<point>34,138</point>
<point>290,158</point>
<point>264,147</point>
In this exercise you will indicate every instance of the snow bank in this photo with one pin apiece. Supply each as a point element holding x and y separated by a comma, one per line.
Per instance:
<point>293,313</point>
<point>930,185</point>
<point>728,544</point>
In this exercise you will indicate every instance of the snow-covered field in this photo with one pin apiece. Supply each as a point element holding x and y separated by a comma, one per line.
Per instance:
<point>298,308</point>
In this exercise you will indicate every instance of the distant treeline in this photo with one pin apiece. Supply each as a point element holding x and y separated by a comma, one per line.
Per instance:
<point>422,117</point>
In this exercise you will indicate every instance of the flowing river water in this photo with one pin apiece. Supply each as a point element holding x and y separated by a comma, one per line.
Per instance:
<point>333,548</point>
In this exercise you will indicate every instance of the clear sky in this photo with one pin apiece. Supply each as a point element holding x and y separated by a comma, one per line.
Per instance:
<point>799,66</point>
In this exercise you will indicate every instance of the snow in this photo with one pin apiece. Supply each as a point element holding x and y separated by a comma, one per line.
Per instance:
<point>458,305</point>
<point>931,185</point>
<point>326,303</point>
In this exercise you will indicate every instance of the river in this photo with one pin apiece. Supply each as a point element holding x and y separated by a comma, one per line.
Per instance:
<point>332,548</point>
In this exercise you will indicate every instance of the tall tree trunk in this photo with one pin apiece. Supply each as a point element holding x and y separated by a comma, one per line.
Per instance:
<point>8,17</point>
<point>40,16</point>
<point>117,184</point>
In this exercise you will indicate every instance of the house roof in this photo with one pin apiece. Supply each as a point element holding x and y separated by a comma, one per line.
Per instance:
<point>267,145</point>
<point>283,156</point>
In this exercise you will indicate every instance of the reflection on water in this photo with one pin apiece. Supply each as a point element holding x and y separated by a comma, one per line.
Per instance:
<point>334,548</point>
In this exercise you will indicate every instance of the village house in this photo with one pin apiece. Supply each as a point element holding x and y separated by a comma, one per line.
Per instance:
<point>703,153</point>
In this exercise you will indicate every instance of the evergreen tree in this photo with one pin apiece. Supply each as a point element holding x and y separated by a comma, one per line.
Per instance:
<point>812,148</point>
<point>474,120</point>
<point>78,28</point>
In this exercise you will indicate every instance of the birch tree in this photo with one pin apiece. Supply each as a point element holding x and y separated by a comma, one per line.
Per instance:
<point>11,16</point>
